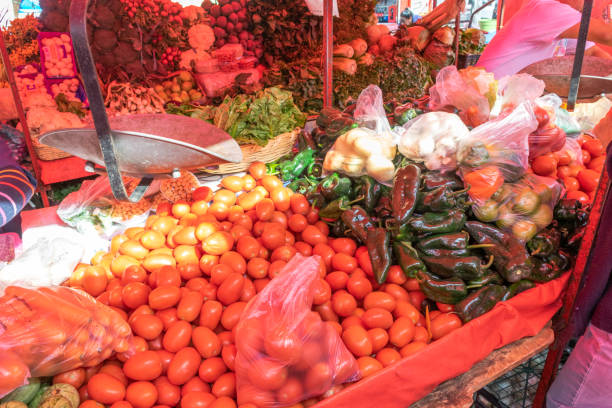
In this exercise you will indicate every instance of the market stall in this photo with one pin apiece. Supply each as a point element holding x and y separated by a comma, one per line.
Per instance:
<point>278,249</point>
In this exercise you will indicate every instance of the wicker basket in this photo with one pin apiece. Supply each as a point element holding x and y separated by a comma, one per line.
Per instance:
<point>45,152</point>
<point>465,61</point>
<point>276,148</point>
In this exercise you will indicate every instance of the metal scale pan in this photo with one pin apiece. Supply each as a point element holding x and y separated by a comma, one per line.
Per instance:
<point>556,73</point>
<point>142,145</point>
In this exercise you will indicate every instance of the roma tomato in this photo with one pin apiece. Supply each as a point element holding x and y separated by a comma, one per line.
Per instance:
<point>343,303</point>
<point>177,336</point>
<point>141,394</point>
<point>164,297</point>
<point>195,384</point>
<point>379,299</point>
<point>105,389</point>
<point>388,356</point>
<point>197,399</point>
<point>135,294</point>
<point>190,306</point>
<point>206,342</point>
<point>210,315</point>
<point>143,366</point>
<point>184,365</point>
<point>167,393</point>
<point>401,332</point>
<point>266,374</point>
<point>379,338</point>
<point>377,317</point>
<point>357,341</point>
<point>368,366</point>
<point>588,179</point>
<point>75,377</point>
<point>225,386</point>
<point>211,369</point>
<point>444,324</point>
<point>230,289</point>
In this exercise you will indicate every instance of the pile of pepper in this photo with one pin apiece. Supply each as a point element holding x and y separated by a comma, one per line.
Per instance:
<point>424,224</point>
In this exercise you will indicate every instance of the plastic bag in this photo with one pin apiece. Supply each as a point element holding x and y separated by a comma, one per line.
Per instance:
<point>451,89</point>
<point>49,330</point>
<point>496,152</point>
<point>589,114</point>
<point>433,138</point>
<point>93,208</point>
<point>567,123</point>
<point>370,112</point>
<point>283,345</point>
<point>522,208</point>
<point>514,90</point>
<point>548,137</point>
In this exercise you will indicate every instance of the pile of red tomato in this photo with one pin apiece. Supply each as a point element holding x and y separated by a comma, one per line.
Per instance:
<point>183,279</point>
<point>580,180</point>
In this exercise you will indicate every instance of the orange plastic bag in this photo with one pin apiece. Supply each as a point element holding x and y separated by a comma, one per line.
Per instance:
<point>286,353</point>
<point>48,330</point>
<point>412,378</point>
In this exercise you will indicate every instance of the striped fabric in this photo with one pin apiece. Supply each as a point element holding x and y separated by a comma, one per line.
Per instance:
<point>16,189</point>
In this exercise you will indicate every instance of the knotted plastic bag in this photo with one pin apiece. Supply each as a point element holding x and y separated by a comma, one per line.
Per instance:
<point>48,330</point>
<point>286,353</point>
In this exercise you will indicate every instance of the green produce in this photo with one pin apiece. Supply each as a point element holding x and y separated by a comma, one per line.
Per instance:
<point>436,252</point>
<point>524,230</point>
<point>35,403</point>
<point>405,191</point>
<point>357,220</point>
<point>370,190</point>
<point>437,223</point>
<point>487,212</point>
<point>292,169</point>
<point>518,287</point>
<point>407,258</point>
<point>24,393</point>
<point>63,390</point>
<point>435,179</point>
<point>439,199</point>
<point>526,202</point>
<point>334,209</point>
<point>335,186</point>
<point>455,240</point>
<point>510,257</point>
<point>544,271</point>
<point>56,401</point>
<point>480,302</point>
<point>490,277</point>
<point>449,291</point>
<point>13,404</point>
<point>379,249</point>
<point>467,268</point>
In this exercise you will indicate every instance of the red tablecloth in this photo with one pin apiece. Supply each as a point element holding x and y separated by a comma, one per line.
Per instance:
<point>56,171</point>
<point>40,217</point>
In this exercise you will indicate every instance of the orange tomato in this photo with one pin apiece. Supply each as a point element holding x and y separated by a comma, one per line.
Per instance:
<point>184,365</point>
<point>377,318</point>
<point>231,315</point>
<point>218,243</point>
<point>444,324</point>
<point>545,165</point>
<point>588,179</point>
<point>143,366</point>
<point>412,348</point>
<point>211,369</point>
<point>594,147</point>
<point>267,374</point>
<point>180,208</point>
<point>257,170</point>
<point>168,393</point>
<point>283,345</point>
<point>75,377</point>
<point>388,356</point>
<point>233,183</point>
<point>197,399</point>
<point>337,280</point>
<point>357,341</point>
<point>177,336</point>
<point>343,303</point>
<point>578,195</point>
<point>147,326</point>
<point>563,157</point>
<point>368,366</point>
<point>401,332</point>
<point>358,286</point>
<point>230,289</point>
<point>379,299</point>
<point>379,338</point>
<point>105,389</point>
<point>318,378</point>
<point>189,306</point>
<point>571,183</point>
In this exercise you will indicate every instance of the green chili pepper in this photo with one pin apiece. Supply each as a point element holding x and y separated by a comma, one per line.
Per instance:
<point>370,190</point>
<point>567,210</point>
<point>434,179</point>
<point>456,240</point>
<point>407,259</point>
<point>335,208</point>
<point>405,191</point>
<point>543,271</point>
<point>437,223</point>
<point>561,260</point>
<point>383,207</point>
<point>518,287</point>
<point>335,186</point>
<point>292,169</point>
<point>511,259</point>
<point>316,199</point>
<point>466,268</point>
<point>435,252</point>
<point>358,221</point>
<point>440,199</point>
<point>379,249</point>
<point>301,186</point>
<point>545,242</point>
<point>448,291</point>
<point>488,278</point>
<point>404,113</point>
<point>314,170</point>
<point>480,302</point>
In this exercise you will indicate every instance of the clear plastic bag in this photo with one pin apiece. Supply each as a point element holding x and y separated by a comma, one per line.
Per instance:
<point>514,90</point>
<point>370,111</point>
<point>283,345</point>
<point>452,89</point>
<point>49,330</point>
<point>433,138</point>
<point>522,208</point>
<point>93,208</point>
<point>500,144</point>
<point>548,137</point>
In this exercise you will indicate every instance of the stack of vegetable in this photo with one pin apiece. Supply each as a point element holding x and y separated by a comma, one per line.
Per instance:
<point>230,22</point>
<point>40,394</point>
<point>181,89</point>
<point>125,98</point>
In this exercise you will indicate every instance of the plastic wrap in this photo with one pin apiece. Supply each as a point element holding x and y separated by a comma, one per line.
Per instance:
<point>285,352</point>
<point>93,208</point>
<point>522,208</point>
<point>501,144</point>
<point>370,111</point>
<point>514,90</point>
<point>433,138</point>
<point>452,89</point>
<point>49,330</point>
<point>548,137</point>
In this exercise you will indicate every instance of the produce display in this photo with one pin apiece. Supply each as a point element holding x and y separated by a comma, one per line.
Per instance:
<point>181,89</point>
<point>57,55</point>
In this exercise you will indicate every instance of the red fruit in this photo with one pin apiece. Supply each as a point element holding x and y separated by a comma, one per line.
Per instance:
<point>233,39</point>
<point>233,18</point>
<point>227,9</point>
<point>243,34</point>
<point>230,28</point>
<point>236,6</point>
<point>221,22</point>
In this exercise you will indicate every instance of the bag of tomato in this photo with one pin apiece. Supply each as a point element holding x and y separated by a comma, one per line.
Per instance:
<point>285,352</point>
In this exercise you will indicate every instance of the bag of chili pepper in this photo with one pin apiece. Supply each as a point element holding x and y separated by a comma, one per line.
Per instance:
<point>523,208</point>
<point>48,330</point>
<point>286,353</point>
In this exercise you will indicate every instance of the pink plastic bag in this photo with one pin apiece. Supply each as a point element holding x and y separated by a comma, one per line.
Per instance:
<point>548,137</point>
<point>286,353</point>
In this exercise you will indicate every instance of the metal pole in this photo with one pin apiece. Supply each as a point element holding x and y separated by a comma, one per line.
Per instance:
<point>457,34</point>
<point>500,14</point>
<point>578,58</point>
<point>22,117</point>
<point>328,48</point>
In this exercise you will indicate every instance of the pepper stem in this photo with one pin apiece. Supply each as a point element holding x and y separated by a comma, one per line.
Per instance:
<point>488,264</point>
<point>537,250</point>
<point>459,192</point>
<point>356,200</point>
<point>480,246</point>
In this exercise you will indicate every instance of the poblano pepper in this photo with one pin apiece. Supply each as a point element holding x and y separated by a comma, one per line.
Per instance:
<point>434,179</point>
<point>335,208</point>
<point>488,278</point>
<point>510,257</point>
<point>518,287</point>
<point>437,223</point>
<point>440,199</point>
<point>543,271</point>
<point>545,242</point>
<point>479,302</point>
<point>370,190</point>
<point>408,259</point>
<point>358,221</point>
<point>335,186</point>
<point>404,194</point>
<point>449,291</point>
<point>383,207</point>
<point>379,249</point>
<point>561,260</point>
<point>434,252</point>
<point>455,240</point>
<point>292,169</point>
<point>466,268</point>
<point>302,186</point>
